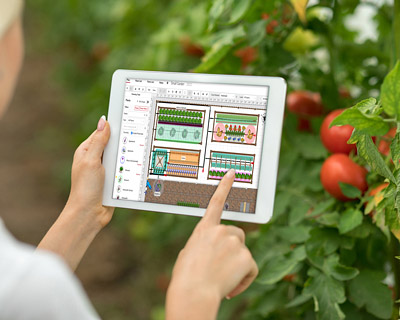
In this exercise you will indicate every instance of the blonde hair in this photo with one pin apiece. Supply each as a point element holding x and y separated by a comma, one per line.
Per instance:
<point>9,11</point>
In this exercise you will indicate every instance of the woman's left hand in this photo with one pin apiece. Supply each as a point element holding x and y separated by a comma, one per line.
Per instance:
<point>84,214</point>
<point>87,178</point>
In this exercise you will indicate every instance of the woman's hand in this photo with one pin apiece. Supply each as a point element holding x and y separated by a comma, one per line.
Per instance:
<point>215,263</point>
<point>84,215</point>
<point>87,177</point>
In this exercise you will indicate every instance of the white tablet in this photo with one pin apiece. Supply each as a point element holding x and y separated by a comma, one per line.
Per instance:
<point>174,136</point>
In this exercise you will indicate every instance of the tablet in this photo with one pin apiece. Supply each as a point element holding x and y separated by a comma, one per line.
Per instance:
<point>175,135</point>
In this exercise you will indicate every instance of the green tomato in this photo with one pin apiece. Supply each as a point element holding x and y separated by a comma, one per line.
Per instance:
<point>300,41</point>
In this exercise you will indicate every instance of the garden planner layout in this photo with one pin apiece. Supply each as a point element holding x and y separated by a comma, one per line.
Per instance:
<point>177,140</point>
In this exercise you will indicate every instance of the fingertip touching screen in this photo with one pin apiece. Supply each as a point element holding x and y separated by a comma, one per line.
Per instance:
<point>178,139</point>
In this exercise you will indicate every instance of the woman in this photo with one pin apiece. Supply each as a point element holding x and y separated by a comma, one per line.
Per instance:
<point>214,264</point>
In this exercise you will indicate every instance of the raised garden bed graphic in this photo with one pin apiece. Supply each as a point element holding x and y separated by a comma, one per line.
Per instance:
<point>174,162</point>
<point>220,163</point>
<point>235,128</point>
<point>178,125</point>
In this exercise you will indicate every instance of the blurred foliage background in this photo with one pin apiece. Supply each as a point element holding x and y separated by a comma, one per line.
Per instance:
<point>340,49</point>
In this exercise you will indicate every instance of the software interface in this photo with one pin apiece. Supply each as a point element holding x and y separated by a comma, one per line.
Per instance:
<point>178,139</point>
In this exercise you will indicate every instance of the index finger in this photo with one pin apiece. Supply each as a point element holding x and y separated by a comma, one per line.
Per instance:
<point>217,202</point>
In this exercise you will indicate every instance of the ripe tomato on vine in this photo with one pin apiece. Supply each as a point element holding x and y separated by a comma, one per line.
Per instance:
<point>335,138</point>
<point>304,103</point>
<point>340,168</point>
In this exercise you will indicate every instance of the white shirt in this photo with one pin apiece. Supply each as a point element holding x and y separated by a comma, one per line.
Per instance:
<point>38,284</point>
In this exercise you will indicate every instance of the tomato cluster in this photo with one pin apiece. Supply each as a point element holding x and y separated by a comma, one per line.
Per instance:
<point>338,167</point>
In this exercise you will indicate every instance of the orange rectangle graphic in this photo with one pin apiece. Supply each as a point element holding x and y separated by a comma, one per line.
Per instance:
<point>188,158</point>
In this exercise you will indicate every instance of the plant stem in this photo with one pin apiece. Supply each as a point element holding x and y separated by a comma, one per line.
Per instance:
<point>394,120</point>
<point>333,59</point>
<point>396,31</point>
<point>395,264</point>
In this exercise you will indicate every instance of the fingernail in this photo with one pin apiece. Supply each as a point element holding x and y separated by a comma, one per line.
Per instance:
<point>101,124</point>
<point>228,298</point>
<point>230,173</point>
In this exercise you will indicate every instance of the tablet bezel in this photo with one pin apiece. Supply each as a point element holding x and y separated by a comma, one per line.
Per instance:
<point>270,150</point>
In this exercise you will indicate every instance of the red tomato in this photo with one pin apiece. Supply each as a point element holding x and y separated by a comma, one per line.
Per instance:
<point>335,138</point>
<point>304,103</point>
<point>344,93</point>
<point>270,28</point>
<point>340,168</point>
<point>247,55</point>
<point>289,277</point>
<point>190,48</point>
<point>384,145</point>
<point>303,125</point>
<point>265,16</point>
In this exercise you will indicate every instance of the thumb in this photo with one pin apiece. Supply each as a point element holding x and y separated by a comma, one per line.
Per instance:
<point>99,139</point>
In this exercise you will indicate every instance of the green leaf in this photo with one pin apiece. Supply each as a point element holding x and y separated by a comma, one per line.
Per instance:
<point>298,300</point>
<point>355,136</point>
<point>395,150</point>
<point>279,267</point>
<point>256,32</point>
<point>229,36</point>
<point>309,146</point>
<point>323,242</point>
<point>353,313</point>
<point>322,207</point>
<point>347,242</point>
<point>367,150</point>
<point>240,8</point>
<point>281,203</point>
<point>330,219</point>
<point>298,212</point>
<point>362,231</point>
<point>213,57</point>
<point>271,301</point>
<point>397,192</point>
<point>367,290</point>
<point>368,124</point>
<point>295,234</point>
<point>328,293</point>
<point>368,106</point>
<point>339,271</point>
<point>223,43</point>
<point>390,91</point>
<point>216,12</point>
<point>349,191</point>
<point>350,219</point>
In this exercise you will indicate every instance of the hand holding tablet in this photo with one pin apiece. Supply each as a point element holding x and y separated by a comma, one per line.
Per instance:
<point>175,135</point>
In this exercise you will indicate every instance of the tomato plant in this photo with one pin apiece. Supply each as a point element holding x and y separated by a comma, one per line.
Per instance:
<point>319,257</point>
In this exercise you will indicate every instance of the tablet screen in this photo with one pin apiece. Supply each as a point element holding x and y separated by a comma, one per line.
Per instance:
<point>178,139</point>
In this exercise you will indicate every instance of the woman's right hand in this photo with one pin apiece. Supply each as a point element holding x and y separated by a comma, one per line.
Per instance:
<point>215,263</point>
